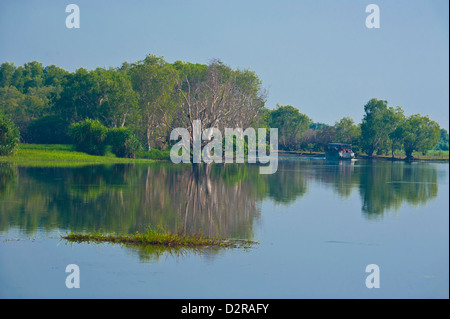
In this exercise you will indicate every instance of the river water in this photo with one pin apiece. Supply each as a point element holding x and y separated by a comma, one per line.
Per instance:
<point>318,225</point>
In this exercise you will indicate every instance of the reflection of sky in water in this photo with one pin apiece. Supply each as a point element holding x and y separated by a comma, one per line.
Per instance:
<point>315,236</point>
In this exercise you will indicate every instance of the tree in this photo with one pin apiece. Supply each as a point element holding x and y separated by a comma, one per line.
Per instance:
<point>291,125</point>
<point>9,136</point>
<point>6,73</point>
<point>106,95</point>
<point>396,139</point>
<point>262,119</point>
<point>378,122</point>
<point>309,140</point>
<point>154,80</point>
<point>33,73</point>
<point>119,102</point>
<point>219,97</point>
<point>346,131</point>
<point>419,134</point>
<point>325,136</point>
<point>318,126</point>
<point>23,109</point>
<point>54,76</point>
<point>443,141</point>
<point>11,103</point>
<point>78,100</point>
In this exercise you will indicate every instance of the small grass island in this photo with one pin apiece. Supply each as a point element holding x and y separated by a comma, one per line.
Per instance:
<point>159,237</point>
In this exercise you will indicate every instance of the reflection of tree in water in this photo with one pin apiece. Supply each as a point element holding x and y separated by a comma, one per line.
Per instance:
<point>128,198</point>
<point>153,253</point>
<point>8,179</point>
<point>386,185</point>
<point>217,200</point>
<point>340,175</point>
<point>288,183</point>
<point>382,185</point>
<point>199,201</point>
<point>8,187</point>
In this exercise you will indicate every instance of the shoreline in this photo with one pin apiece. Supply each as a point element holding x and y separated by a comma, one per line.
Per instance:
<point>361,156</point>
<point>59,154</point>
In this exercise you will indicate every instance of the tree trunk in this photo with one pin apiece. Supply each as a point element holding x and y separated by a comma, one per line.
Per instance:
<point>148,138</point>
<point>408,154</point>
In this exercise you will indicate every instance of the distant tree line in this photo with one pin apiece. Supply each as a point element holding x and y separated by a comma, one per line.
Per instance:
<point>382,131</point>
<point>136,106</point>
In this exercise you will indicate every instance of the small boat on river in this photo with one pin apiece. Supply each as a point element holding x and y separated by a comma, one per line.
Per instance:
<point>338,151</point>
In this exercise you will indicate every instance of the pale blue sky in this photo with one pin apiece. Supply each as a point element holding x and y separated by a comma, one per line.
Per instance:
<point>316,55</point>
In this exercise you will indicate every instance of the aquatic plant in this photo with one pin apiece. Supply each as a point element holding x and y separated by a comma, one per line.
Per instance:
<point>161,237</point>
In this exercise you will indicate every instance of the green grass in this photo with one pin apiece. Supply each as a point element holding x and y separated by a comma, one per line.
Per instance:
<point>59,155</point>
<point>433,154</point>
<point>158,237</point>
<point>154,154</point>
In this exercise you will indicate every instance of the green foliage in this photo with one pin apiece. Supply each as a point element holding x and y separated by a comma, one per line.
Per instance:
<point>419,134</point>
<point>378,123</point>
<point>152,96</point>
<point>262,119</point>
<point>442,144</point>
<point>154,81</point>
<point>6,74</point>
<point>89,136</point>
<point>27,102</point>
<point>54,76</point>
<point>49,129</point>
<point>9,136</point>
<point>124,143</point>
<point>291,125</point>
<point>346,131</point>
<point>318,126</point>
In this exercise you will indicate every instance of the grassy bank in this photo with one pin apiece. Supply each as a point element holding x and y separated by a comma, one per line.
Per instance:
<point>58,154</point>
<point>160,238</point>
<point>61,154</point>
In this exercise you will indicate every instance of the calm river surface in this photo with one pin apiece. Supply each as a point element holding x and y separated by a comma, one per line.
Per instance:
<point>318,224</point>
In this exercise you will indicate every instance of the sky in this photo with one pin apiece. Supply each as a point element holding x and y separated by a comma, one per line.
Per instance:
<point>316,55</point>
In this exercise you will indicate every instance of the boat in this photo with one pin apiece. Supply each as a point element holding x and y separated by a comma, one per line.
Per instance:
<point>339,151</point>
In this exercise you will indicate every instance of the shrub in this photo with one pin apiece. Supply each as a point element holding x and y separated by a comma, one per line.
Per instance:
<point>9,136</point>
<point>89,136</point>
<point>124,143</point>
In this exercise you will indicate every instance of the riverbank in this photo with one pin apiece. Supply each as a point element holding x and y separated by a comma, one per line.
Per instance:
<point>432,157</point>
<point>416,158</point>
<point>62,154</point>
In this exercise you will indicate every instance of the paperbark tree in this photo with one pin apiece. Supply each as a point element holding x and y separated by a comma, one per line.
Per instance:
<point>219,97</point>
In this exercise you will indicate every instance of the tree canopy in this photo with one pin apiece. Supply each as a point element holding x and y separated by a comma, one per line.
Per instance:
<point>151,97</point>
